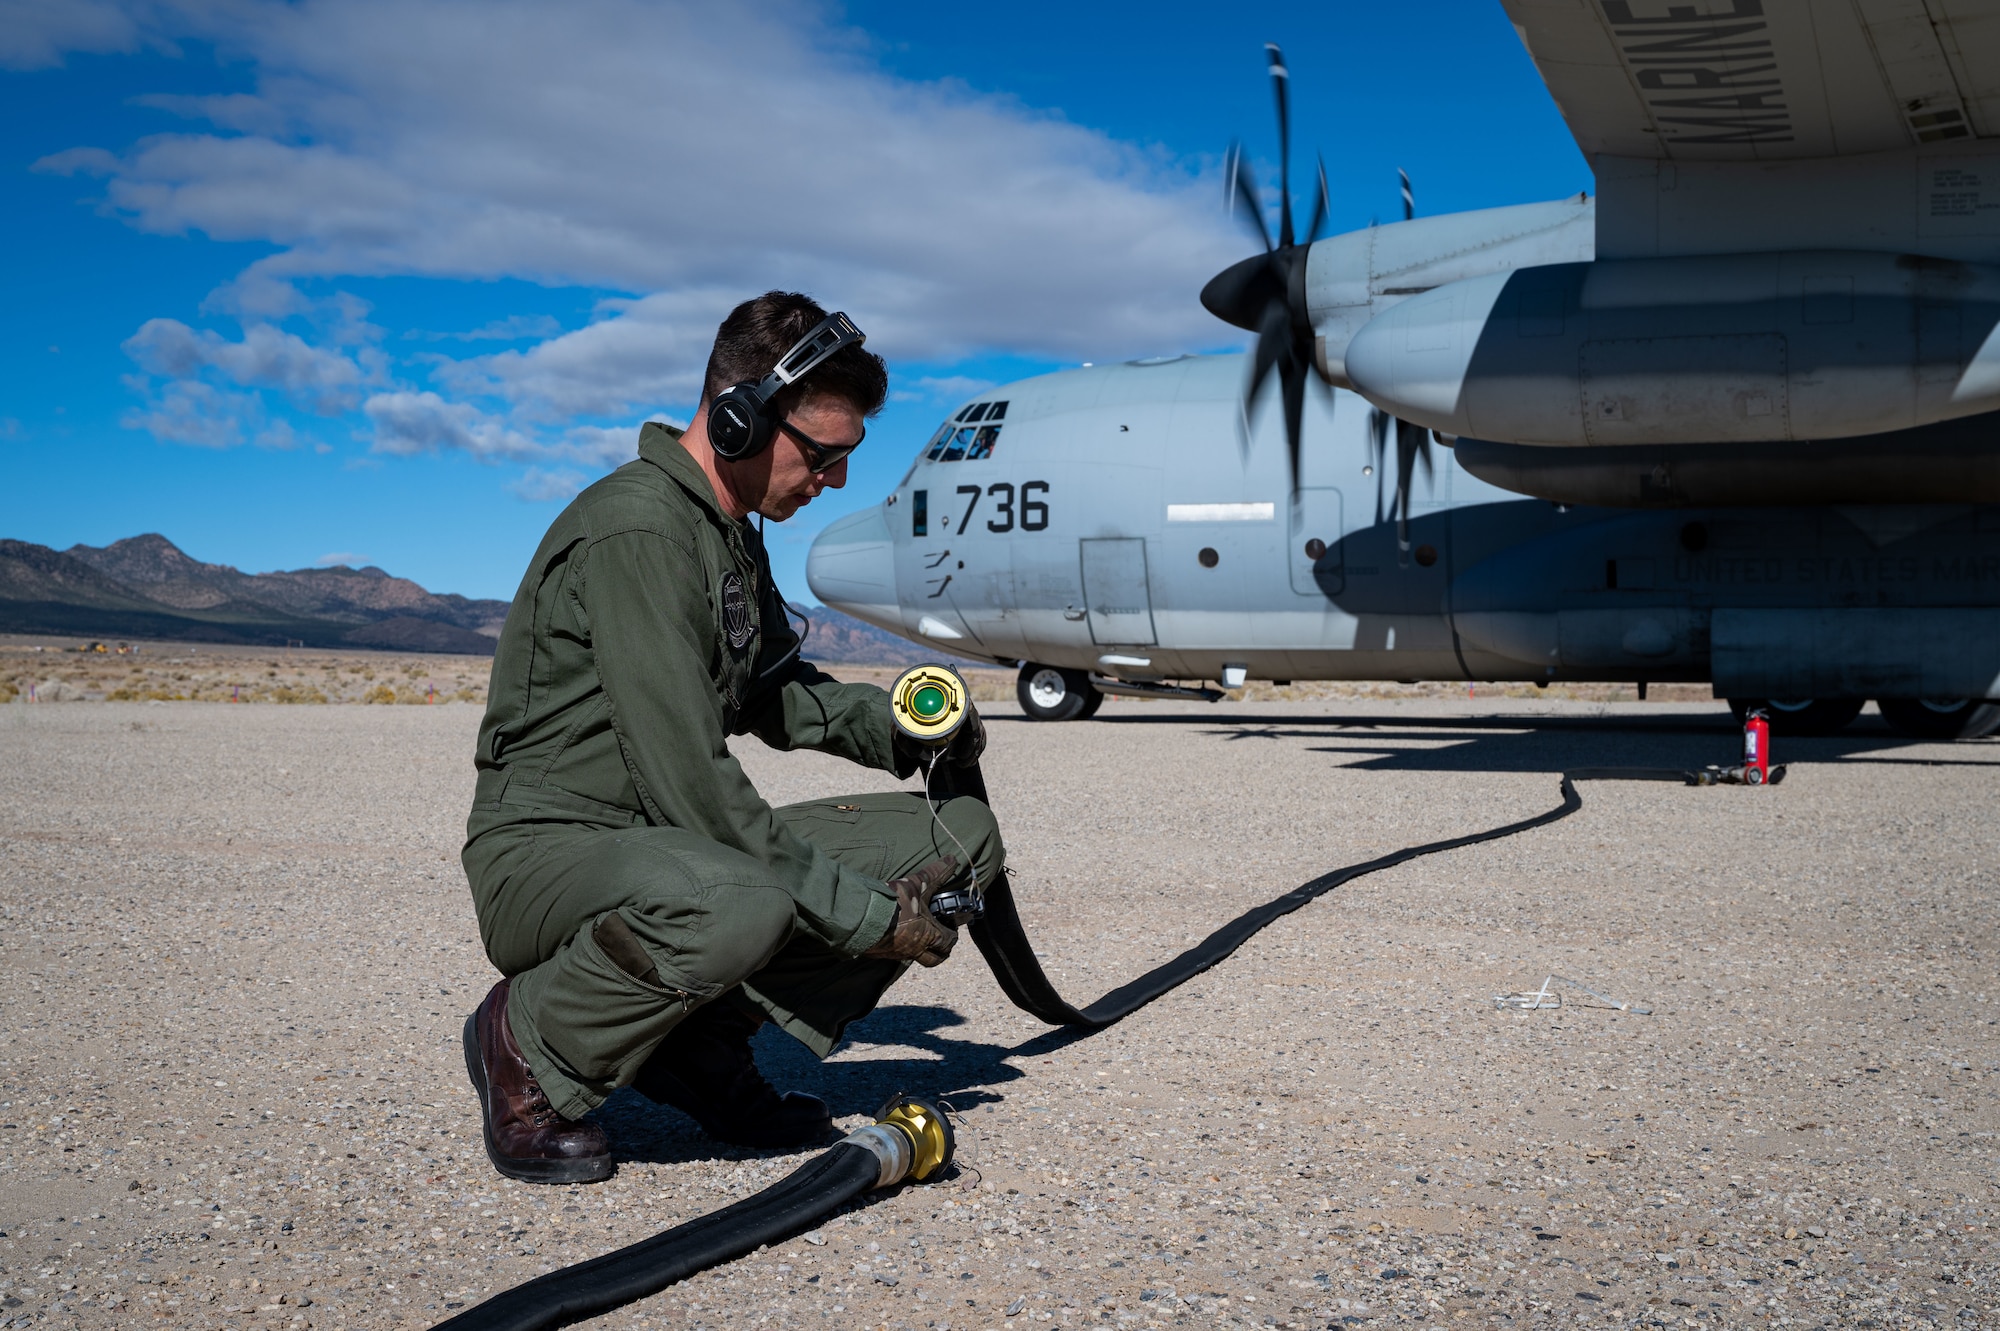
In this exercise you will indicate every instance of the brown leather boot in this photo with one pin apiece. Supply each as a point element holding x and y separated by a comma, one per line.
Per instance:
<point>705,1069</point>
<point>525,1137</point>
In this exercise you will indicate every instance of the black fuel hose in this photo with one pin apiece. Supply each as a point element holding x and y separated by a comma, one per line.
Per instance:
<point>573,1293</point>
<point>859,1163</point>
<point>911,1140</point>
<point>1004,943</point>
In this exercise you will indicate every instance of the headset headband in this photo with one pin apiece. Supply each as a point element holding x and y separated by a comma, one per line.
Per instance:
<point>828,336</point>
<point>740,420</point>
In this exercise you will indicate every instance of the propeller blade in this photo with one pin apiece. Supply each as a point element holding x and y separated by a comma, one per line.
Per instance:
<point>1322,206</point>
<point>1409,199</point>
<point>1273,343</point>
<point>1292,377</point>
<point>1281,80</point>
<point>1240,193</point>
<point>1378,438</point>
<point>1413,442</point>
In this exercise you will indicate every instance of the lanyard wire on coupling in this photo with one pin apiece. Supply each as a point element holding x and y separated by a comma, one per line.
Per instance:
<point>932,801</point>
<point>928,704</point>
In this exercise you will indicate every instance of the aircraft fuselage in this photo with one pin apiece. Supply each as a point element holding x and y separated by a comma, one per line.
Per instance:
<point>1113,521</point>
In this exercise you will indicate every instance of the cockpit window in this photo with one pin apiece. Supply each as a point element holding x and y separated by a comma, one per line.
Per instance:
<point>960,440</point>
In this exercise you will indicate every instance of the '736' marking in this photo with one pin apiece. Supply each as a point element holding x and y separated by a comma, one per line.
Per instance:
<point>1034,515</point>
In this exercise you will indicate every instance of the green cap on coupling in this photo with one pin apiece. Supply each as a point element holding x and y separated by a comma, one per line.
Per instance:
<point>928,703</point>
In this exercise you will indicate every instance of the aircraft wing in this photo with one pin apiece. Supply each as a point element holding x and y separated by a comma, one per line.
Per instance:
<point>1766,80</point>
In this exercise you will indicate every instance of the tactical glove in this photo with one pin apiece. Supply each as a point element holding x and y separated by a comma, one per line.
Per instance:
<point>963,750</point>
<point>969,742</point>
<point>916,934</point>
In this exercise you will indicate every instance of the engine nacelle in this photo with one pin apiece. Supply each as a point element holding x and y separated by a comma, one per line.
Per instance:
<point>1352,278</point>
<point>1718,349</point>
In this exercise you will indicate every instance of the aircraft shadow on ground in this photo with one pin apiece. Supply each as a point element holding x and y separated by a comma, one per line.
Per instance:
<point>1565,743</point>
<point>963,1072</point>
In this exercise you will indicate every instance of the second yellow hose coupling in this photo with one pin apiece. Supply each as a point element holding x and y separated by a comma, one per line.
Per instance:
<point>910,1137</point>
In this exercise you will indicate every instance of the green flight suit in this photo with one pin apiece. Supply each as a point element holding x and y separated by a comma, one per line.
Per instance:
<point>645,633</point>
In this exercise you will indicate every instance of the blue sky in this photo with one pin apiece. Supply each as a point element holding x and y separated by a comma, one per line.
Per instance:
<point>384,283</point>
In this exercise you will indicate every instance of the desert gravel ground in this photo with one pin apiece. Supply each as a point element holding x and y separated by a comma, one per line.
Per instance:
<point>235,952</point>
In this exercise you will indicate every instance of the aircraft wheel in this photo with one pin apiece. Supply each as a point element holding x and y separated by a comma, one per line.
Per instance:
<point>1048,693</point>
<point>1802,716</point>
<point>1940,718</point>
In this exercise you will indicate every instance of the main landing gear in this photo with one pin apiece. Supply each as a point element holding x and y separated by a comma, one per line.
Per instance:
<point>1802,716</point>
<point>1940,718</point>
<point>1917,718</point>
<point>1048,693</point>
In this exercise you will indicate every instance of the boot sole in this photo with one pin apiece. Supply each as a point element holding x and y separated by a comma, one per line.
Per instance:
<point>584,1170</point>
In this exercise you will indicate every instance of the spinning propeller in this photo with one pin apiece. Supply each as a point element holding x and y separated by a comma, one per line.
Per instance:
<point>1266,293</point>
<point>1413,447</point>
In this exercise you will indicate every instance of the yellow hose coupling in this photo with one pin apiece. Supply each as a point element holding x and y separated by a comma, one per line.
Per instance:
<point>928,703</point>
<point>928,1131</point>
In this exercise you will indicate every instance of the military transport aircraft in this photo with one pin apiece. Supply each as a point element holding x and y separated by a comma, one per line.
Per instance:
<point>1751,390</point>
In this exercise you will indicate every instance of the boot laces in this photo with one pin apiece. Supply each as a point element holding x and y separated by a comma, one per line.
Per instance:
<point>540,1112</point>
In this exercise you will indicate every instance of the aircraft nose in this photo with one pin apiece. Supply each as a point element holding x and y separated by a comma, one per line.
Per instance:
<point>852,567</point>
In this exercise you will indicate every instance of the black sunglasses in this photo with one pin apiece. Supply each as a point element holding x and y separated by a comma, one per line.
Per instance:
<point>822,457</point>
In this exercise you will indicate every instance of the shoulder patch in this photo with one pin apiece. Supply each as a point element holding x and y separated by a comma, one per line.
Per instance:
<point>737,620</point>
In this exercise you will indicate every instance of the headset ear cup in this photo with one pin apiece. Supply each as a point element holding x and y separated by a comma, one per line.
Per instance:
<point>737,425</point>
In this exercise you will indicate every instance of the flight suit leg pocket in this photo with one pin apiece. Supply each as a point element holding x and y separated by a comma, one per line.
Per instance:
<point>848,829</point>
<point>594,1018</point>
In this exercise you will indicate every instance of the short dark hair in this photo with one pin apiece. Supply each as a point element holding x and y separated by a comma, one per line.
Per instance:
<point>758,331</point>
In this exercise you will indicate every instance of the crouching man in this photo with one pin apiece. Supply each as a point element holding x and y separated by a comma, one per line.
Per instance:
<point>648,909</point>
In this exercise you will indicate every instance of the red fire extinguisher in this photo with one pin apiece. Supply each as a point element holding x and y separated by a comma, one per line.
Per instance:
<point>1756,747</point>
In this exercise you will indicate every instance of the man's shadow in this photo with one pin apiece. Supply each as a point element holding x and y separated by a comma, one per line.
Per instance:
<point>959,1072</point>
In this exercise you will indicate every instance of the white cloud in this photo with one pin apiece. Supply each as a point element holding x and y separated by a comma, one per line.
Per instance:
<point>941,388</point>
<point>690,155</point>
<point>189,411</point>
<point>36,34</point>
<point>538,486</point>
<point>237,111</point>
<point>407,423</point>
<point>322,381</point>
<point>589,144</point>
<point>341,559</point>
<point>79,162</point>
<point>607,446</point>
<point>650,350</point>
<point>513,328</point>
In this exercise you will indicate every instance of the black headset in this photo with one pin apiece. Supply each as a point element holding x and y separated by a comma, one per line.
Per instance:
<point>741,422</point>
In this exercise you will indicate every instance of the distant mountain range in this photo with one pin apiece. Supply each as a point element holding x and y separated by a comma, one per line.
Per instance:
<point>146,587</point>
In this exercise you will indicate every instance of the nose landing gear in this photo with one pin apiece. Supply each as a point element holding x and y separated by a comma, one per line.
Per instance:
<point>1049,693</point>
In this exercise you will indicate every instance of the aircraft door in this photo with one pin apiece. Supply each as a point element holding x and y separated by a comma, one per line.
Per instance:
<point>1115,591</point>
<point>1315,545</point>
